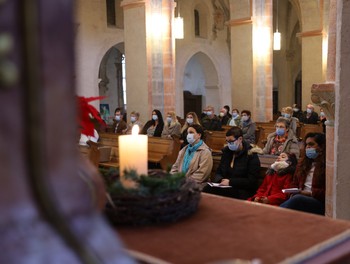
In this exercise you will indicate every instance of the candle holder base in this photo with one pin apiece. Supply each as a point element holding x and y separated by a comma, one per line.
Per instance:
<point>159,198</point>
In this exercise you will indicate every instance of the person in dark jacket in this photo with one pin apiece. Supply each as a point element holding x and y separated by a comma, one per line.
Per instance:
<point>211,122</point>
<point>310,177</point>
<point>154,127</point>
<point>239,168</point>
<point>309,116</point>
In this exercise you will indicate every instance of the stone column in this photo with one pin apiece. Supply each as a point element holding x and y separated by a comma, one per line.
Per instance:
<point>311,50</point>
<point>150,55</point>
<point>262,61</point>
<point>241,51</point>
<point>341,194</point>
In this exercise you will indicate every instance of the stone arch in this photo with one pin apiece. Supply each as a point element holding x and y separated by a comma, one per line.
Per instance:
<point>111,83</point>
<point>201,78</point>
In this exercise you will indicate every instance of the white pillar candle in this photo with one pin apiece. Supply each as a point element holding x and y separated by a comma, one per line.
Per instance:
<point>133,152</point>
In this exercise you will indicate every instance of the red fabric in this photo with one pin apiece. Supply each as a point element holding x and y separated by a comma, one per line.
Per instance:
<point>86,126</point>
<point>272,188</point>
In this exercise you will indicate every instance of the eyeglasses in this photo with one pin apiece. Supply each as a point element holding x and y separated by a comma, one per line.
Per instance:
<point>231,142</point>
<point>280,127</point>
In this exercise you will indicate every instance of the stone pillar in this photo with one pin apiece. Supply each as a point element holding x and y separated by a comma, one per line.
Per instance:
<point>241,50</point>
<point>341,180</point>
<point>311,50</point>
<point>262,61</point>
<point>150,55</point>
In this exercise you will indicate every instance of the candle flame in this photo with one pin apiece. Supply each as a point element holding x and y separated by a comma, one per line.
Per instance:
<point>135,130</point>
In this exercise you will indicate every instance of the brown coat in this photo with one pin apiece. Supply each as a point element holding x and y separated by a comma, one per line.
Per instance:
<point>200,166</point>
<point>289,146</point>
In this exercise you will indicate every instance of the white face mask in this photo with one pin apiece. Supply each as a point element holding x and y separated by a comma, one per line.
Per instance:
<point>279,165</point>
<point>245,118</point>
<point>189,120</point>
<point>209,113</point>
<point>190,138</point>
<point>117,117</point>
<point>221,114</point>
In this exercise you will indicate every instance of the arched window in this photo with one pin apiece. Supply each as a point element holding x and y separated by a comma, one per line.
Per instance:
<point>200,16</point>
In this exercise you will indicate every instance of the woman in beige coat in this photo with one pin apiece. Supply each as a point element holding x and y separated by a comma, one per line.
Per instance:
<point>195,159</point>
<point>283,140</point>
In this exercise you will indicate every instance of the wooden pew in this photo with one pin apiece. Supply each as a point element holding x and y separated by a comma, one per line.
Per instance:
<point>91,152</point>
<point>160,150</point>
<point>215,140</point>
<point>307,128</point>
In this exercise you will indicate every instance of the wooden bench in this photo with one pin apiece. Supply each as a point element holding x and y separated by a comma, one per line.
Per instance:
<point>162,151</point>
<point>215,140</point>
<point>307,128</point>
<point>91,152</point>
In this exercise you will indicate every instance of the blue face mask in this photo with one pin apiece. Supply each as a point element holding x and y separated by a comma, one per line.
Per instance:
<point>190,138</point>
<point>132,119</point>
<point>287,115</point>
<point>233,146</point>
<point>280,131</point>
<point>209,113</point>
<point>234,114</point>
<point>117,117</point>
<point>154,117</point>
<point>168,119</point>
<point>311,153</point>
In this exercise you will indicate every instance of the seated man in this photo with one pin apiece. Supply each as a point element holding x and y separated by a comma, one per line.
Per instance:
<point>309,116</point>
<point>239,168</point>
<point>119,125</point>
<point>211,121</point>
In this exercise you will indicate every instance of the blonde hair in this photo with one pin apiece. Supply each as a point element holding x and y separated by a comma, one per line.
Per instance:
<point>195,120</point>
<point>288,110</point>
<point>173,118</point>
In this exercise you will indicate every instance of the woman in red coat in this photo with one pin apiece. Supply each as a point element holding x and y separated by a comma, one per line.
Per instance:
<point>279,176</point>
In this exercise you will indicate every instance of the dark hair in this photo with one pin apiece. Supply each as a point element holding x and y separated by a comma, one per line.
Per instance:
<point>235,109</point>
<point>227,108</point>
<point>292,160</point>
<point>160,117</point>
<point>118,109</point>
<point>305,163</point>
<point>246,112</point>
<point>234,131</point>
<point>199,129</point>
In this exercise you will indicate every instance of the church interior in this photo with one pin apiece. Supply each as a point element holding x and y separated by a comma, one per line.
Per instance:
<point>131,55</point>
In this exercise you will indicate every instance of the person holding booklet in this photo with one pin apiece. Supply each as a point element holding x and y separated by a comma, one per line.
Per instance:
<point>239,168</point>
<point>310,177</point>
<point>279,176</point>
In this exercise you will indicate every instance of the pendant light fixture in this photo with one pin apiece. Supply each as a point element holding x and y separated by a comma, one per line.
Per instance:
<point>277,35</point>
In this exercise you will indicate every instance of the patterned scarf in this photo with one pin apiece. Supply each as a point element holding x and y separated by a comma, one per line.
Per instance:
<point>189,155</point>
<point>277,145</point>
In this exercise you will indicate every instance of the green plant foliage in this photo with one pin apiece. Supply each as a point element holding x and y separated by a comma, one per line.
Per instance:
<point>147,185</point>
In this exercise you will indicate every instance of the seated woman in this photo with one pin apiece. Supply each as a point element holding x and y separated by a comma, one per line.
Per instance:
<point>236,119</point>
<point>279,176</point>
<point>239,168</point>
<point>287,112</point>
<point>248,126</point>
<point>154,127</point>
<point>194,159</point>
<point>172,126</point>
<point>310,177</point>
<point>134,120</point>
<point>283,140</point>
<point>191,118</point>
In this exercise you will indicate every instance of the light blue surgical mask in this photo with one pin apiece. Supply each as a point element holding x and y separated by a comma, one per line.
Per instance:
<point>169,119</point>
<point>234,114</point>
<point>280,131</point>
<point>311,153</point>
<point>233,146</point>
<point>309,111</point>
<point>133,119</point>
<point>189,121</point>
<point>117,117</point>
<point>245,118</point>
<point>154,117</point>
<point>209,113</point>
<point>287,115</point>
<point>190,138</point>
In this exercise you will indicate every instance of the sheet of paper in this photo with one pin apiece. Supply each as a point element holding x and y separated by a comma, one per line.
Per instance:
<point>291,190</point>
<point>213,184</point>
